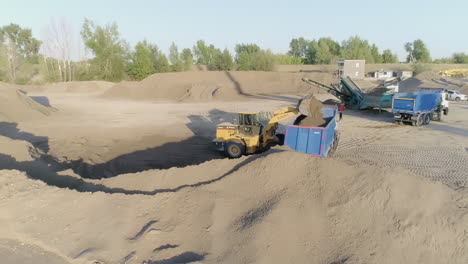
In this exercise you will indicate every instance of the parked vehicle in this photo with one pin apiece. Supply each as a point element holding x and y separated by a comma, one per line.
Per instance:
<point>419,108</point>
<point>456,96</point>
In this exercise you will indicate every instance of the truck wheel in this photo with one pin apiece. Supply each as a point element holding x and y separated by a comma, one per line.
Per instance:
<point>457,99</point>
<point>280,139</point>
<point>440,115</point>
<point>334,145</point>
<point>234,150</point>
<point>419,120</point>
<point>427,118</point>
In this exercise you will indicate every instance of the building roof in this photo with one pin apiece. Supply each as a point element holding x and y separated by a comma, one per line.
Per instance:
<point>349,60</point>
<point>384,71</point>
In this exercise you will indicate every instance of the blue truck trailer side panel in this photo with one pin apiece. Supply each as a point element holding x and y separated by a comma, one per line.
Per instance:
<point>313,140</point>
<point>416,102</point>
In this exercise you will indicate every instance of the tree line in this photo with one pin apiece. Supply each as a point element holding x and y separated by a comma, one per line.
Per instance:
<point>327,50</point>
<point>105,55</point>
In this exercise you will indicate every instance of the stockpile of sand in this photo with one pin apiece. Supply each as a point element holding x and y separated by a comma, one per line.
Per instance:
<point>195,86</point>
<point>310,211</point>
<point>69,87</point>
<point>432,80</point>
<point>16,106</point>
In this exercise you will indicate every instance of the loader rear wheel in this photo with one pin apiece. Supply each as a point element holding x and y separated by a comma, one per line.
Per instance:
<point>234,150</point>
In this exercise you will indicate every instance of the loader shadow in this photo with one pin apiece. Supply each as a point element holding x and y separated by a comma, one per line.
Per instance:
<point>44,171</point>
<point>187,152</point>
<point>192,151</point>
<point>11,130</point>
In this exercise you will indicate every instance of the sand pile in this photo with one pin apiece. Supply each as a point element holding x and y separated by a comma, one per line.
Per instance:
<point>70,87</point>
<point>310,211</point>
<point>432,80</point>
<point>199,86</point>
<point>16,106</point>
<point>314,117</point>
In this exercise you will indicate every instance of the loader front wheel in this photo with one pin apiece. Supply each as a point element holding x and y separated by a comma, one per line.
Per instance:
<point>234,150</point>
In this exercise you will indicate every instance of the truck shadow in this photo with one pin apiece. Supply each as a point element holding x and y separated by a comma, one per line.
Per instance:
<point>371,114</point>
<point>449,129</point>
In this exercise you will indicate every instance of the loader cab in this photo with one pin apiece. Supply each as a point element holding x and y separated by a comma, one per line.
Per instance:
<point>249,124</point>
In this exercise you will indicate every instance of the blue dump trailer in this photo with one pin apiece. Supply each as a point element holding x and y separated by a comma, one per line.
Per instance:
<point>419,108</point>
<point>316,141</point>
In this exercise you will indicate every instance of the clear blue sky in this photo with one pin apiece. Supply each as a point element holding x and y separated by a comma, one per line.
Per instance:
<point>270,24</point>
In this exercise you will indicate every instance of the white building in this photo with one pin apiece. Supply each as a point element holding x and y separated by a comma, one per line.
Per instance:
<point>383,74</point>
<point>404,74</point>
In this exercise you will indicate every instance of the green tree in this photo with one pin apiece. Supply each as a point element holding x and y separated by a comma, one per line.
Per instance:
<point>187,59</point>
<point>460,58</point>
<point>286,59</point>
<point>323,51</point>
<point>356,48</point>
<point>247,48</point>
<point>244,61</point>
<point>159,60</point>
<point>251,57</point>
<point>174,58</point>
<point>263,60</point>
<point>444,61</point>
<point>298,47</point>
<point>3,65</point>
<point>375,54</point>
<point>389,57</point>
<point>418,52</point>
<point>20,48</point>
<point>222,61</point>
<point>141,65</point>
<point>110,51</point>
<point>204,54</point>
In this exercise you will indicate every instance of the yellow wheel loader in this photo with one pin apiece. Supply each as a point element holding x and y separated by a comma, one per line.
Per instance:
<point>254,132</point>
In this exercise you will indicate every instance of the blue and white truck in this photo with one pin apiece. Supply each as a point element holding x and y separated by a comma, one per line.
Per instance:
<point>419,108</point>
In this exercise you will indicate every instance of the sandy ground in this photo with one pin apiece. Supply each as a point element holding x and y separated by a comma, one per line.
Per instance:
<point>106,180</point>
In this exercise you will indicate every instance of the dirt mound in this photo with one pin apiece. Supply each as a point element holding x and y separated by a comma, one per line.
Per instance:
<point>70,87</point>
<point>17,106</point>
<point>208,85</point>
<point>432,80</point>
<point>311,211</point>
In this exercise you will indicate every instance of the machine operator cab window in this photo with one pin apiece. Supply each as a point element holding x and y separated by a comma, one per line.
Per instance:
<point>249,123</point>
